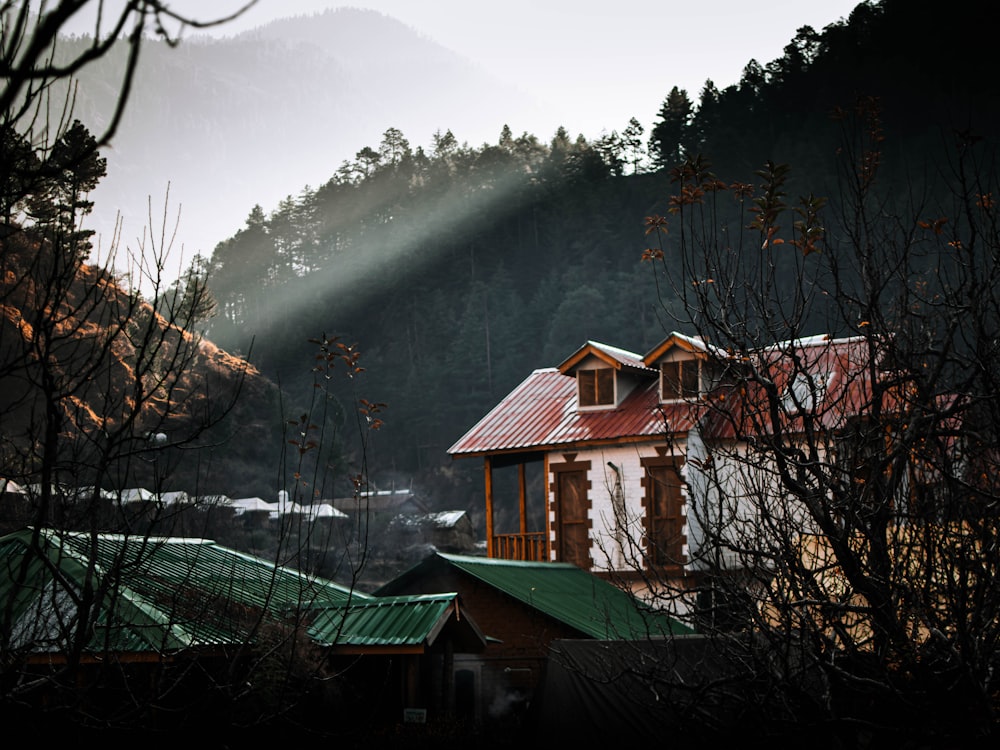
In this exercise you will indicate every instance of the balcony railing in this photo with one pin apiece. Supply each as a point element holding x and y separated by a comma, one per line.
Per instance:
<point>531,547</point>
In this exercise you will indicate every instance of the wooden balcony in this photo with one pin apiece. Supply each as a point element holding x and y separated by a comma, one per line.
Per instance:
<point>530,547</point>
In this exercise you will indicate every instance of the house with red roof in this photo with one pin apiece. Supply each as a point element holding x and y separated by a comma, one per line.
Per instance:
<point>603,460</point>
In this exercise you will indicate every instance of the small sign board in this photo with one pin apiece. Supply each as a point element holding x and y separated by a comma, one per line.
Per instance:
<point>414,715</point>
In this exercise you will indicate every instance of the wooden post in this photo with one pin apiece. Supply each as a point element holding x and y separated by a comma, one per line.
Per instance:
<point>522,495</point>
<point>488,472</point>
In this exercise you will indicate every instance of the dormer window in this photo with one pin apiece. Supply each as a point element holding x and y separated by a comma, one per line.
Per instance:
<point>596,387</point>
<point>680,380</point>
<point>806,392</point>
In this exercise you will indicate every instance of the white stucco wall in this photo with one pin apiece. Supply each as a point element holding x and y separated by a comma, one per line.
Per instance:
<point>727,489</point>
<point>738,494</point>
<point>723,490</point>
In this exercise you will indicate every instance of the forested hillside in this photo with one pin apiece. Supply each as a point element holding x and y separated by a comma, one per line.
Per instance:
<point>458,271</point>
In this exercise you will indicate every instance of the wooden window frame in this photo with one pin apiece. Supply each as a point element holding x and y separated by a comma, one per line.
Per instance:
<point>595,387</point>
<point>674,557</point>
<point>685,386</point>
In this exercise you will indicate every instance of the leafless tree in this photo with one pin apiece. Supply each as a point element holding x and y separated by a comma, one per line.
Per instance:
<point>30,34</point>
<point>84,357</point>
<point>102,390</point>
<point>843,482</point>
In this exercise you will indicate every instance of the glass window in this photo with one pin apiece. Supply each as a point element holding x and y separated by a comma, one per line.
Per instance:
<point>596,387</point>
<point>806,392</point>
<point>679,380</point>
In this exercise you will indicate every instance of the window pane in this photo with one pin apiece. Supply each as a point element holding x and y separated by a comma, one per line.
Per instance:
<point>689,377</point>
<point>587,384</point>
<point>670,381</point>
<point>605,386</point>
<point>596,387</point>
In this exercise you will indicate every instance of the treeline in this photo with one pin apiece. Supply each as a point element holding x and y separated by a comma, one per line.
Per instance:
<point>458,270</point>
<point>455,273</point>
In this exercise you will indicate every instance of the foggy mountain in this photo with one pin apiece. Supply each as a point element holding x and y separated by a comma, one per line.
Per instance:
<point>227,123</point>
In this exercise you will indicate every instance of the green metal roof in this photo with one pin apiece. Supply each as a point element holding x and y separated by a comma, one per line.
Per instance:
<point>571,595</point>
<point>406,622</point>
<point>152,593</point>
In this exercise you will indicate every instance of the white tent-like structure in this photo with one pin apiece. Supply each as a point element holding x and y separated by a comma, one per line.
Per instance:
<point>251,504</point>
<point>284,507</point>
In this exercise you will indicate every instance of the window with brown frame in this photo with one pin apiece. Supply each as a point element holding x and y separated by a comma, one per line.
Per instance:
<point>596,387</point>
<point>679,380</point>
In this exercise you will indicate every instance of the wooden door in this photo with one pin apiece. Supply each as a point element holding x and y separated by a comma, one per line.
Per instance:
<point>572,524</point>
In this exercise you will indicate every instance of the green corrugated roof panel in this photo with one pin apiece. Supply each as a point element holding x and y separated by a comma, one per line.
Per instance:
<point>388,621</point>
<point>160,593</point>
<point>571,595</point>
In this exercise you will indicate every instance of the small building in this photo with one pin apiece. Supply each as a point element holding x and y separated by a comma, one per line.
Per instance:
<point>448,531</point>
<point>175,497</point>
<point>521,608</point>
<point>244,505</point>
<point>136,495</point>
<point>380,503</point>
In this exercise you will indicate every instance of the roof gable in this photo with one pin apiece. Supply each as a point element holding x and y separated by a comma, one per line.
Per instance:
<point>610,355</point>
<point>407,624</point>
<point>688,344</point>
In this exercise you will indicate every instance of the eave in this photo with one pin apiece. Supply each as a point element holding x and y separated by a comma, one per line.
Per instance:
<point>574,445</point>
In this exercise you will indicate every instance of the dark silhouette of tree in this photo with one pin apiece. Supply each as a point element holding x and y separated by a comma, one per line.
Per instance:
<point>668,140</point>
<point>633,145</point>
<point>59,196</point>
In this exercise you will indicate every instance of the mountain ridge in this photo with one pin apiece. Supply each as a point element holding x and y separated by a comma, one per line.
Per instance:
<point>222,125</point>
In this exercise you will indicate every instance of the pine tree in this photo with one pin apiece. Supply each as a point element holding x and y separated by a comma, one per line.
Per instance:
<point>670,137</point>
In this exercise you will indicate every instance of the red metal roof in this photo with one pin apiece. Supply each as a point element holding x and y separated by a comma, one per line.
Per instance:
<point>541,413</point>
<point>841,392</point>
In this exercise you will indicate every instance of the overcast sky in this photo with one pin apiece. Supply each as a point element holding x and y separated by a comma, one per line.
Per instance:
<point>595,64</point>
